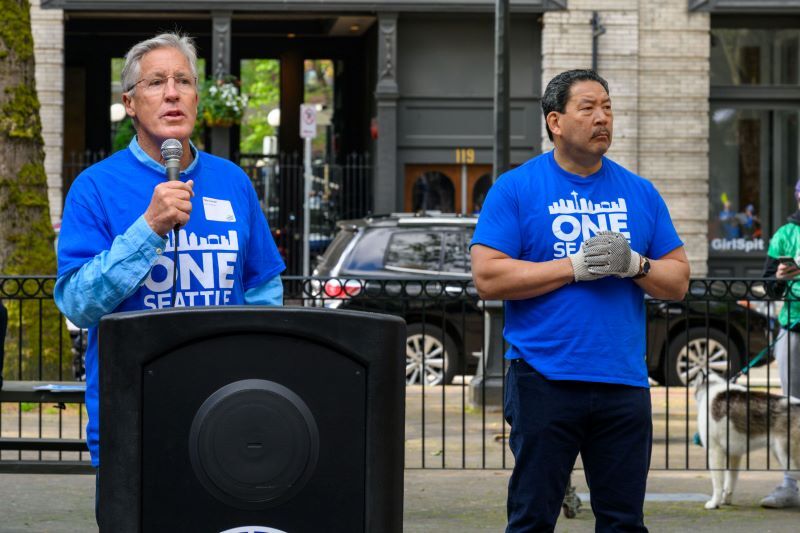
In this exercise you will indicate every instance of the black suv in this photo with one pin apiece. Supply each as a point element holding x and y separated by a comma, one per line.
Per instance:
<point>445,325</point>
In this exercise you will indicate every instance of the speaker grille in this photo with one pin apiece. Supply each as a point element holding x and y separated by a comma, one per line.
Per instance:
<point>253,444</point>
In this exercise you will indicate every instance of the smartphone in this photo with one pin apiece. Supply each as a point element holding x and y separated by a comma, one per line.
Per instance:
<point>787,260</point>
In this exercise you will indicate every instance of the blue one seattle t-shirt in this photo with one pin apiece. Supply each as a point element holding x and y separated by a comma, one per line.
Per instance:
<point>586,331</point>
<point>225,249</point>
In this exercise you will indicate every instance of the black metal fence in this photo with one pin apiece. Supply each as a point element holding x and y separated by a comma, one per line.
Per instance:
<point>338,192</point>
<point>39,431</point>
<point>455,370</point>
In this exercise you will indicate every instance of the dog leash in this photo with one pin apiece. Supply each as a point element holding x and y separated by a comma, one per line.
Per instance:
<point>763,352</point>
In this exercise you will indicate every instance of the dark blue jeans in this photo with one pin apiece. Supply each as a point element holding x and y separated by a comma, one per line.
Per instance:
<point>551,422</point>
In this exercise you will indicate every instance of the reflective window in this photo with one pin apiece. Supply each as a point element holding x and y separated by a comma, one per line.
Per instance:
<point>369,252</point>
<point>479,192</point>
<point>433,191</point>
<point>754,166</point>
<point>415,249</point>
<point>741,56</point>
<point>456,252</point>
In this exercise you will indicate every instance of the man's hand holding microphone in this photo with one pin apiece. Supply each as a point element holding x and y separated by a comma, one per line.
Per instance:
<point>171,203</point>
<point>170,206</point>
<point>606,254</point>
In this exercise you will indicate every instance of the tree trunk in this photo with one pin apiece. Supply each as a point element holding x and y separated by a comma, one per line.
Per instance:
<point>36,333</point>
<point>26,234</point>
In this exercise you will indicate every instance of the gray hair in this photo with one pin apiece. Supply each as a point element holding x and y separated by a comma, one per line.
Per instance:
<point>131,70</point>
<point>557,92</point>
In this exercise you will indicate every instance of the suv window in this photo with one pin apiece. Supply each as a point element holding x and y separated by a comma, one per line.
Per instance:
<point>368,252</point>
<point>456,251</point>
<point>335,249</point>
<point>417,250</point>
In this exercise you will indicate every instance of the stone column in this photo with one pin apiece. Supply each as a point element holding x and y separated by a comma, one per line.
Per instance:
<point>48,45</point>
<point>386,95</point>
<point>221,56</point>
<point>674,80</point>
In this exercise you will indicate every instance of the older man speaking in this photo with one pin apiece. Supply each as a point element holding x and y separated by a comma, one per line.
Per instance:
<point>126,226</point>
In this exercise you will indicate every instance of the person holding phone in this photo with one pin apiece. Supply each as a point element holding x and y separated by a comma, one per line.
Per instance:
<point>782,263</point>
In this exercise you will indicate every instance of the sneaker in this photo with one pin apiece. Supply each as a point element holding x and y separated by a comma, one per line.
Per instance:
<point>782,497</point>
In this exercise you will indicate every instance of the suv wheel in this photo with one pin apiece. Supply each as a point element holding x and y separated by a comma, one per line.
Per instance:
<point>430,356</point>
<point>706,349</point>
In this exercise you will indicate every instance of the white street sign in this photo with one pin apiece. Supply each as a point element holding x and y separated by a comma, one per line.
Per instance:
<point>308,121</point>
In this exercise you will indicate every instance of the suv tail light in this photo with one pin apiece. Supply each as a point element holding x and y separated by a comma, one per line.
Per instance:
<point>334,288</point>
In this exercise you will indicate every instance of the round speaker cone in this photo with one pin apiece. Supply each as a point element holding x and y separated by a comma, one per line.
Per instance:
<point>253,444</point>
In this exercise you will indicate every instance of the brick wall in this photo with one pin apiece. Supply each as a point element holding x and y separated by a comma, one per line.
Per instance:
<point>48,39</point>
<point>655,56</point>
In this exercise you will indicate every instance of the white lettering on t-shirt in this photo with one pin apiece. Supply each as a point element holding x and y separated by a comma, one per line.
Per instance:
<point>203,279</point>
<point>580,217</point>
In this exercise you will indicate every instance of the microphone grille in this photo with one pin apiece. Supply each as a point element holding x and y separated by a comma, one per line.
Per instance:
<point>171,149</point>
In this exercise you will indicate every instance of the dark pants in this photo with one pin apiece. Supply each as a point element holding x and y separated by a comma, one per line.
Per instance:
<point>551,422</point>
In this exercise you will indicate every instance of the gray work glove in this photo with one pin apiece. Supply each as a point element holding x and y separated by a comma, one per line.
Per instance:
<point>580,268</point>
<point>608,253</point>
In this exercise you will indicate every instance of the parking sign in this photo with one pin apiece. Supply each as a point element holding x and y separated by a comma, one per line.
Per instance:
<point>308,121</point>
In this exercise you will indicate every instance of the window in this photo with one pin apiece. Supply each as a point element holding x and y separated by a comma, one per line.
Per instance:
<point>415,250</point>
<point>370,251</point>
<point>479,192</point>
<point>456,252</point>
<point>737,174</point>
<point>261,82</point>
<point>744,56</point>
<point>753,138</point>
<point>434,191</point>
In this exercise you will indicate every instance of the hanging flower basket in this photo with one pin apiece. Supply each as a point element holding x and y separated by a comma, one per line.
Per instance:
<point>218,122</point>
<point>221,105</point>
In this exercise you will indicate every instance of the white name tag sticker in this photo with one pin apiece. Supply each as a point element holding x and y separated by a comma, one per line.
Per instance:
<point>218,210</point>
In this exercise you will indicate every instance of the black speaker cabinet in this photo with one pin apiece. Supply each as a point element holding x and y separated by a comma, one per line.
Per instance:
<point>251,419</point>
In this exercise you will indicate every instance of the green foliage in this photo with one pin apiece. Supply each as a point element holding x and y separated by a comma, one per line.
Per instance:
<point>15,29</point>
<point>19,116</point>
<point>261,83</point>
<point>123,135</point>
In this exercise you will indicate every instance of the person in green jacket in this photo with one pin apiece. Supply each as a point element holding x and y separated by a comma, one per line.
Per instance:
<point>783,258</point>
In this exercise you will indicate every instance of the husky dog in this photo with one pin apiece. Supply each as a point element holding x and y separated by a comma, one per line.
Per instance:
<point>722,420</point>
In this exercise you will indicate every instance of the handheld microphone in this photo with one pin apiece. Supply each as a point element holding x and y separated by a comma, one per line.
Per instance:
<point>172,151</point>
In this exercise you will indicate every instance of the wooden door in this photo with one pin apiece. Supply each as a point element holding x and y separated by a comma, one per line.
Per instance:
<point>445,188</point>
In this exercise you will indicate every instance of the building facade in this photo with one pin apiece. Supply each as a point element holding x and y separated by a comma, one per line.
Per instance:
<point>706,93</point>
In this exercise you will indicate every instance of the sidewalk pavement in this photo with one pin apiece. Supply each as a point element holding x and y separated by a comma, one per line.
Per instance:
<point>438,501</point>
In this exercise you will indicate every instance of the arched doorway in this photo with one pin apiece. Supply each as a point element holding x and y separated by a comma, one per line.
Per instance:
<point>479,191</point>
<point>445,188</point>
<point>433,191</point>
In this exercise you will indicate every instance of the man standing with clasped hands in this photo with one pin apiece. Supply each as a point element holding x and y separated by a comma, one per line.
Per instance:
<point>572,241</point>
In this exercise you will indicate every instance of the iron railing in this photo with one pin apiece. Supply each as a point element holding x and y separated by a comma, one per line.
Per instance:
<point>339,191</point>
<point>455,369</point>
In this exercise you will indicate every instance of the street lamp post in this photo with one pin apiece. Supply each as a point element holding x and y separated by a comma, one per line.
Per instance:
<point>501,156</point>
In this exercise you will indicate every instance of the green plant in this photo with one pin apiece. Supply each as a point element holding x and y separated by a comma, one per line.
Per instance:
<point>261,84</point>
<point>221,104</point>
<point>123,135</point>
